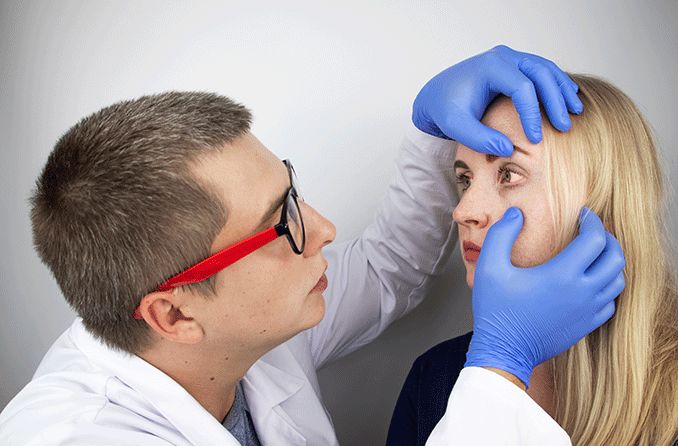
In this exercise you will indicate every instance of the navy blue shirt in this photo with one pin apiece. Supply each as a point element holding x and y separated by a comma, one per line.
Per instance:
<point>423,399</point>
<point>238,421</point>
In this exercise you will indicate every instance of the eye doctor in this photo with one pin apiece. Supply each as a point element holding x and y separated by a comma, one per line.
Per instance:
<point>86,392</point>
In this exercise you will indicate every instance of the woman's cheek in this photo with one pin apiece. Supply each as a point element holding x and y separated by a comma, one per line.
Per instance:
<point>534,244</point>
<point>522,252</point>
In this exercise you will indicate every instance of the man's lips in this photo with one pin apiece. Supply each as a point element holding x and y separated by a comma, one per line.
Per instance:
<point>471,251</point>
<point>321,285</point>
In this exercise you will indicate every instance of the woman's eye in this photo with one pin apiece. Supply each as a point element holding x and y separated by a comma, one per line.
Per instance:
<point>463,181</point>
<point>509,176</point>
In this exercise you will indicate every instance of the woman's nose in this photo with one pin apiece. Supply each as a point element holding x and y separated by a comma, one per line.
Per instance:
<point>471,211</point>
<point>320,232</point>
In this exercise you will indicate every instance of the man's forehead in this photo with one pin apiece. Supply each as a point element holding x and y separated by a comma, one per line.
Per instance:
<point>242,163</point>
<point>247,177</point>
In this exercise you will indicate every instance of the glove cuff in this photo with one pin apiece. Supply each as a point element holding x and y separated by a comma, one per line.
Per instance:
<point>483,355</point>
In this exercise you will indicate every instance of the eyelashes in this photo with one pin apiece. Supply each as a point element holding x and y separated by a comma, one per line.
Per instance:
<point>463,182</point>
<point>505,174</point>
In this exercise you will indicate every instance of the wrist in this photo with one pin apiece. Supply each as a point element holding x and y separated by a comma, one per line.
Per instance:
<point>494,353</point>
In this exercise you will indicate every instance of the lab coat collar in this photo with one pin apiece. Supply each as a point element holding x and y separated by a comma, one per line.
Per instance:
<point>267,385</point>
<point>274,383</point>
<point>155,387</point>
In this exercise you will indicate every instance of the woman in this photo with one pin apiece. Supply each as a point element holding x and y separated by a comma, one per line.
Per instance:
<point>619,385</point>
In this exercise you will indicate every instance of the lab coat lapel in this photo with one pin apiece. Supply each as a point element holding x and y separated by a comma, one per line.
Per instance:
<point>160,391</point>
<point>267,385</point>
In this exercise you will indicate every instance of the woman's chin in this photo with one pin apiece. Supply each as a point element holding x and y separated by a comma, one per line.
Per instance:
<point>469,277</point>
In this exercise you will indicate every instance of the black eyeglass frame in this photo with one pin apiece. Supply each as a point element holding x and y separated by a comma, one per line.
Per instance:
<point>282,228</point>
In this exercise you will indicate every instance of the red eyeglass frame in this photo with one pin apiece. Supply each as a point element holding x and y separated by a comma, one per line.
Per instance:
<point>231,254</point>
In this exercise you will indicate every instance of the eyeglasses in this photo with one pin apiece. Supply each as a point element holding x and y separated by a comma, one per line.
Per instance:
<point>291,225</point>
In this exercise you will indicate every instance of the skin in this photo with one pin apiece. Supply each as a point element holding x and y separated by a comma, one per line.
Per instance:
<point>264,299</point>
<point>488,186</point>
<point>208,344</point>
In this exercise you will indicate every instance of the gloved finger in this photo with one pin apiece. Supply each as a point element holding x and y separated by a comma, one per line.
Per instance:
<point>611,290</point>
<point>604,315</point>
<point>513,83</point>
<point>470,132</point>
<point>568,88</point>
<point>549,92</point>
<point>609,263</point>
<point>587,246</point>
<point>574,104</point>
<point>500,238</point>
<point>561,76</point>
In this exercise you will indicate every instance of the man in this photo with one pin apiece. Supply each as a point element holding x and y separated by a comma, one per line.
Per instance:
<point>198,272</point>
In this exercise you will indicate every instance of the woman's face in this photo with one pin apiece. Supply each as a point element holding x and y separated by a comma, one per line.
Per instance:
<point>489,185</point>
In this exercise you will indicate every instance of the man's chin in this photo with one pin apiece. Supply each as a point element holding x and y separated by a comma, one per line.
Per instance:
<point>316,310</point>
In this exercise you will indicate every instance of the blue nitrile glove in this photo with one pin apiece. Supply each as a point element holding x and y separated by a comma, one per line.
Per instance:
<point>524,316</point>
<point>452,103</point>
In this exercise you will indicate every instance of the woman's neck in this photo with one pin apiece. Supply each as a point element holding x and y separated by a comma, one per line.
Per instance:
<point>541,388</point>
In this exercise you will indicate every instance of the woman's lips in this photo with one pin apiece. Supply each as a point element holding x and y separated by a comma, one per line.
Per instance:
<point>471,251</point>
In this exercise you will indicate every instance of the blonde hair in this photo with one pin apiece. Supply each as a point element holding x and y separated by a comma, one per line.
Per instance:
<point>619,385</point>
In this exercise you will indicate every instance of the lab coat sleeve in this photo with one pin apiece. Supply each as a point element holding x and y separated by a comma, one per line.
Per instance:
<point>386,271</point>
<point>486,409</point>
<point>74,433</point>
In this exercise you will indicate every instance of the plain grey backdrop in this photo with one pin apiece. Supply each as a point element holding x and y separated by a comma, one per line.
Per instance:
<point>331,86</point>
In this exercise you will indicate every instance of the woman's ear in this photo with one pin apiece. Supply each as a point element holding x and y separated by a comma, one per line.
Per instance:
<point>162,311</point>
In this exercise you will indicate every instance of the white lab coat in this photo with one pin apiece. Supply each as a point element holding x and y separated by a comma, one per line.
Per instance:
<point>85,393</point>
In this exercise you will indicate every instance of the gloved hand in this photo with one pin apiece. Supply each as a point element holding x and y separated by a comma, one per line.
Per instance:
<point>452,103</point>
<point>524,316</point>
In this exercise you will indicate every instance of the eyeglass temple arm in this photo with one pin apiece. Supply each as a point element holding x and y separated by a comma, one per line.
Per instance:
<point>216,262</point>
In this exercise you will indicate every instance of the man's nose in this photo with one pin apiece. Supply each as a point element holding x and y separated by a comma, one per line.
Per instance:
<point>320,232</point>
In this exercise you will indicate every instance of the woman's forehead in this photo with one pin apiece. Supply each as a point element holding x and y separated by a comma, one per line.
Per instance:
<point>503,117</point>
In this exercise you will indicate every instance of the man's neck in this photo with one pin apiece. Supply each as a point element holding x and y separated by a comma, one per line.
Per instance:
<point>209,377</point>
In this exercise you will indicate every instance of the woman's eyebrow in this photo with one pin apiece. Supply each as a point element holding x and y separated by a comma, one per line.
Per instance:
<point>493,158</point>
<point>460,164</point>
<point>490,158</point>
<point>520,149</point>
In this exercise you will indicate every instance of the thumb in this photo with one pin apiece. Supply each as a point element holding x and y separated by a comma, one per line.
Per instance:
<point>587,246</point>
<point>500,238</point>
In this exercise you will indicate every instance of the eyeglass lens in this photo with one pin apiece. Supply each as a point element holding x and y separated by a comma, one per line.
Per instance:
<point>295,223</point>
<point>294,219</point>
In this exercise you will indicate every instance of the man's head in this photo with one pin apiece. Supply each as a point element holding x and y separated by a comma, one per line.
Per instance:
<point>143,189</point>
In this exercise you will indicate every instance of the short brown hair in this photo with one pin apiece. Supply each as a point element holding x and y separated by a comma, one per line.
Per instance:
<point>116,211</point>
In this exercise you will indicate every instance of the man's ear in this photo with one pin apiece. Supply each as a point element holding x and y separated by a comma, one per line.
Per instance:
<point>162,312</point>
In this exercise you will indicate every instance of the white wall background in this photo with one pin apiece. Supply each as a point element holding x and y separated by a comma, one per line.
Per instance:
<point>331,86</point>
